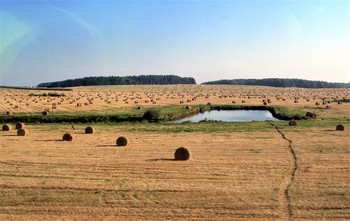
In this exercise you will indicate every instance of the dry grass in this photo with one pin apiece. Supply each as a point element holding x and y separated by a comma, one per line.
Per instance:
<point>322,185</point>
<point>113,98</point>
<point>236,176</point>
<point>231,176</point>
<point>91,177</point>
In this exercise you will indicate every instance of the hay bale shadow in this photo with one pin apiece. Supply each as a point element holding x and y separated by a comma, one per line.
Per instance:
<point>108,145</point>
<point>51,140</point>
<point>160,159</point>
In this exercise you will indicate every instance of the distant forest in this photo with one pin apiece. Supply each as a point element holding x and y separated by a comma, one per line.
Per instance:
<point>173,79</point>
<point>280,82</point>
<point>115,80</point>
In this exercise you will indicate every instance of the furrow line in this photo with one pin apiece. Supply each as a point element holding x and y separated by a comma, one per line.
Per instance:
<point>291,178</point>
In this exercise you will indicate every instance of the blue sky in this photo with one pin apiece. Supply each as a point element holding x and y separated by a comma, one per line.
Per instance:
<point>43,41</point>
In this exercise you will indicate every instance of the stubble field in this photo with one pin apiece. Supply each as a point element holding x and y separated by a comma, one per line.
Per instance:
<point>237,171</point>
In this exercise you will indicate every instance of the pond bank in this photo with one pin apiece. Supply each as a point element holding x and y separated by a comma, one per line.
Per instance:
<point>152,114</point>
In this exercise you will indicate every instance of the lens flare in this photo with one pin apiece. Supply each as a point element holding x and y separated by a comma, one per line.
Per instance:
<point>15,33</point>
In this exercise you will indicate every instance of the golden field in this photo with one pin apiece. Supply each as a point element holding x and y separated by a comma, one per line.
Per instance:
<point>112,98</point>
<point>237,171</point>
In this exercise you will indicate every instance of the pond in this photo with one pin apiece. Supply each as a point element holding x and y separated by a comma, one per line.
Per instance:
<point>230,116</point>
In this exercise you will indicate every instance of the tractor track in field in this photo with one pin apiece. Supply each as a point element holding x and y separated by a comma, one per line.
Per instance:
<point>291,178</point>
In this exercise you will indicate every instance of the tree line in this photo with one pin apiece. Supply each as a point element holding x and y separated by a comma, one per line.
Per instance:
<point>117,80</point>
<point>173,79</point>
<point>281,82</point>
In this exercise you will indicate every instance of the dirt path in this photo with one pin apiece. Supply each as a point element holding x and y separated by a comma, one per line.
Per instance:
<point>286,189</point>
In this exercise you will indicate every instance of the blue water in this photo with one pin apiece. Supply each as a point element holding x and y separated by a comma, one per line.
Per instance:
<point>231,116</point>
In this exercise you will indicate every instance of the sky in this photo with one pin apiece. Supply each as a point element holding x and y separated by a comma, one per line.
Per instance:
<point>44,40</point>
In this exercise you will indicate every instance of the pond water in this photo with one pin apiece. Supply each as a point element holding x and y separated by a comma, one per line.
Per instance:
<point>231,116</point>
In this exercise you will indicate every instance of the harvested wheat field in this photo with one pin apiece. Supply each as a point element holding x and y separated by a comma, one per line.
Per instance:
<point>118,98</point>
<point>237,171</point>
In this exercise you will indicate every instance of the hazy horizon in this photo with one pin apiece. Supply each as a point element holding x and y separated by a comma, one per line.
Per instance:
<point>45,41</point>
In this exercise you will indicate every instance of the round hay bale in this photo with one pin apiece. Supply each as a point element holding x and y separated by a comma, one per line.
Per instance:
<point>188,107</point>
<point>7,127</point>
<point>22,132</point>
<point>9,113</point>
<point>20,126</point>
<point>122,141</point>
<point>45,113</point>
<point>67,137</point>
<point>89,130</point>
<point>340,127</point>
<point>292,123</point>
<point>182,153</point>
<point>208,103</point>
<point>311,115</point>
